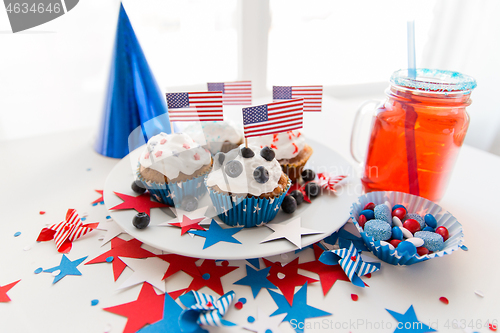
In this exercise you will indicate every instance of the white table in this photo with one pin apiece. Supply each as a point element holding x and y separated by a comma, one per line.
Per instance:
<point>55,172</point>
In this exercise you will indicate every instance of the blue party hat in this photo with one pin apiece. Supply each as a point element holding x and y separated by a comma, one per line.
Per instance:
<point>133,97</point>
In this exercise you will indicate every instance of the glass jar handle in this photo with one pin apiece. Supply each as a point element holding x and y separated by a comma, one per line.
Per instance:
<point>363,110</point>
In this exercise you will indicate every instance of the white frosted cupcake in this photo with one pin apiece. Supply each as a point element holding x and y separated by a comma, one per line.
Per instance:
<point>173,166</point>
<point>291,151</point>
<point>217,136</point>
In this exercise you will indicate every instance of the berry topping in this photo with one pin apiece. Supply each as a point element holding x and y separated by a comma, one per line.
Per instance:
<point>158,153</point>
<point>189,203</point>
<point>267,153</point>
<point>247,152</point>
<point>163,141</point>
<point>141,220</point>
<point>308,175</point>
<point>312,190</point>
<point>261,175</point>
<point>289,204</point>
<point>233,168</point>
<point>138,187</point>
<point>185,145</point>
<point>196,157</point>
<point>299,197</point>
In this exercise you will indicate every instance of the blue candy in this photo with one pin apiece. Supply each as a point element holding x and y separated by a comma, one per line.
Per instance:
<point>428,229</point>
<point>397,233</point>
<point>406,247</point>
<point>378,229</point>
<point>416,217</point>
<point>382,212</point>
<point>399,206</point>
<point>368,214</point>
<point>432,241</point>
<point>430,221</point>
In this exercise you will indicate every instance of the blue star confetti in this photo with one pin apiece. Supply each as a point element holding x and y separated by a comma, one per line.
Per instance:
<point>256,280</point>
<point>408,322</point>
<point>299,311</point>
<point>255,262</point>
<point>66,267</point>
<point>216,234</point>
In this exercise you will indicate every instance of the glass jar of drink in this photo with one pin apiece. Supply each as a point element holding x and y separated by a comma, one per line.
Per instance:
<point>416,133</point>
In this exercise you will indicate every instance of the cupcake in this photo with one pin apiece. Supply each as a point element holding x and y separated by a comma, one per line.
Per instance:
<point>216,136</point>
<point>247,186</point>
<point>173,166</point>
<point>291,150</point>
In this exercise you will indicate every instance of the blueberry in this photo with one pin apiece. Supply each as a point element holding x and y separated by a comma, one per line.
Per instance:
<point>247,152</point>
<point>289,204</point>
<point>138,187</point>
<point>141,220</point>
<point>312,190</point>
<point>267,153</point>
<point>299,197</point>
<point>233,168</point>
<point>261,175</point>
<point>308,175</point>
<point>189,203</point>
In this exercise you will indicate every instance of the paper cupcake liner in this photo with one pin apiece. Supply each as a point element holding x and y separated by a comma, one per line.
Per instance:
<point>294,170</point>
<point>173,192</point>
<point>240,211</point>
<point>413,204</point>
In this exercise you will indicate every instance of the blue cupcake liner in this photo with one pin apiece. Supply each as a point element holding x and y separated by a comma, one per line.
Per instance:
<point>240,211</point>
<point>172,193</point>
<point>413,204</point>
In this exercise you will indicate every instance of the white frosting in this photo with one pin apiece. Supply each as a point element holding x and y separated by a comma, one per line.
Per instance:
<point>214,134</point>
<point>245,182</point>
<point>286,145</point>
<point>170,154</point>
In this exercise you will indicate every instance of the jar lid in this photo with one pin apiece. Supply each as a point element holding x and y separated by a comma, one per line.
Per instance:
<point>434,80</point>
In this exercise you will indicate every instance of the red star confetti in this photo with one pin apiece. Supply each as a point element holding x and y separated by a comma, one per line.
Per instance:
<point>147,309</point>
<point>180,263</point>
<point>4,289</point>
<point>188,224</point>
<point>210,275</point>
<point>66,232</point>
<point>328,275</point>
<point>122,248</point>
<point>286,278</point>
<point>141,203</point>
<point>100,199</point>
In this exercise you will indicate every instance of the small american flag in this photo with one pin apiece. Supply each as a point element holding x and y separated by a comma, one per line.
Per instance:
<point>273,118</point>
<point>234,93</point>
<point>312,95</point>
<point>195,106</point>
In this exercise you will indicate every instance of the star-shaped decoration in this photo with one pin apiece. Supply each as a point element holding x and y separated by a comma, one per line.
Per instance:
<point>66,267</point>
<point>302,189</point>
<point>299,311</point>
<point>66,232</point>
<point>290,280</point>
<point>256,280</point>
<point>216,234</point>
<point>179,263</point>
<point>210,275</point>
<point>188,224</point>
<point>351,262</point>
<point>328,275</point>
<point>112,230</point>
<point>122,248</point>
<point>409,317</point>
<point>264,323</point>
<point>147,309</point>
<point>4,289</point>
<point>292,231</point>
<point>256,209</point>
<point>150,270</point>
<point>100,199</point>
<point>141,203</point>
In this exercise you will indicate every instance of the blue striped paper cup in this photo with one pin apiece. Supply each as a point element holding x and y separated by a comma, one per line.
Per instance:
<point>243,211</point>
<point>414,204</point>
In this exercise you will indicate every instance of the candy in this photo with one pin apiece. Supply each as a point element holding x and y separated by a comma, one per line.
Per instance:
<point>394,242</point>
<point>406,232</point>
<point>406,247</point>
<point>382,212</point>
<point>378,229</point>
<point>399,206</point>
<point>368,214</point>
<point>396,221</point>
<point>422,251</point>
<point>382,243</point>
<point>362,221</point>
<point>430,221</point>
<point>412,225</point>
<point>399,212</point>
<point>432,241</point>
<point>416,241</point>
<point>443,232</point>
<point>397,233</point>
<point>416,217</point>
<point>428,229</point>
<point>369,206</point>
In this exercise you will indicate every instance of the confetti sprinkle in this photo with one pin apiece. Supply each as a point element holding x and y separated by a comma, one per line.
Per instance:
<point>444,300</point>
<point>83,218</point>
<point>206,276</point>
<point>479,293</point>
<point>281,276</point>
<point>94,302</point>
<point>38,270</point>
<point>463,247</point>
<point>17,234</point>
<point>27,248</point>
<point>250,319</point>
<point>88,169</point>
<point>369,275</point>
<point>238,305</point>
<point>42,212</point>
<point>108,217</point>
<point>225,263</point>
<point>56,273</point>
<point>492,327</point>
<point>284,256</point>
<point>107,328</point>
<point>109,259</point>
<point>243,300</point>
<point>354,297</point>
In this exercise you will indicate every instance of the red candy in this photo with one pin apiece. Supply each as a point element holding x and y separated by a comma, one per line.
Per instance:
<point>362,221</point>
<point>412,225</point>
<point>394,242</point>
<point>422,251</point>
<point>399,212</point>
<point>443,232</point>
<point>370,206</point>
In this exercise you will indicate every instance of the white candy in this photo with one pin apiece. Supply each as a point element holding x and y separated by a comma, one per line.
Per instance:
<point>416,241</point>
<point>397,222</point>
<point>388,204</point>
<point>385,243</point>
<point>406,232</point>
